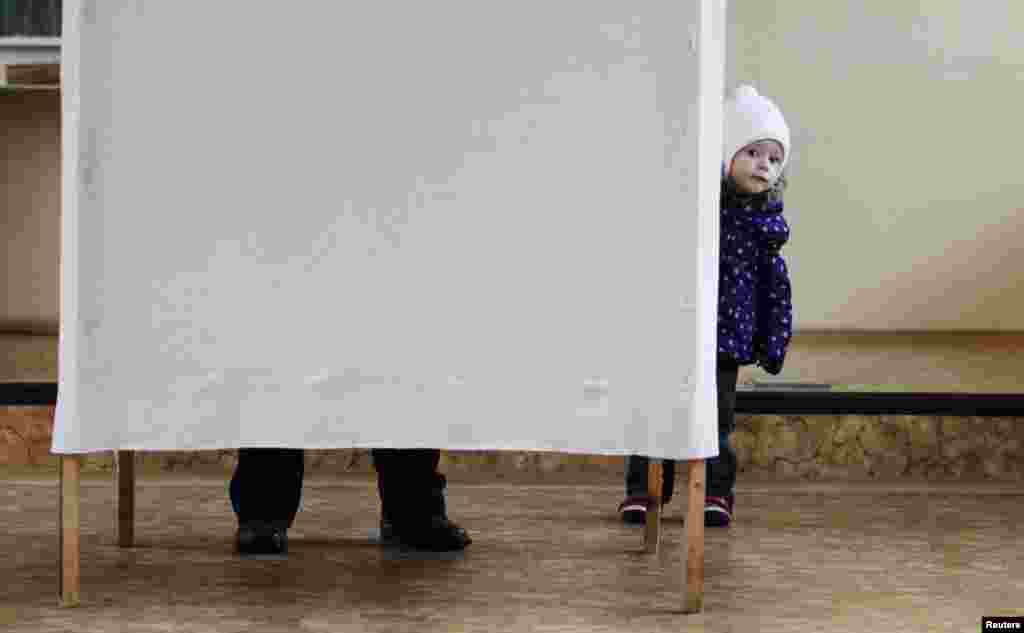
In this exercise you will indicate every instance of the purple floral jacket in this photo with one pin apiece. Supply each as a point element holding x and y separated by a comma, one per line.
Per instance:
<point>755,311</point>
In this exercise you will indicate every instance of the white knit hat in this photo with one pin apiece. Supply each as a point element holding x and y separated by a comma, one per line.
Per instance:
<point>747,118</point>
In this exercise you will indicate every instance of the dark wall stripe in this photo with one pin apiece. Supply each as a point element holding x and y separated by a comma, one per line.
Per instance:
<point>747,402</point>
<point>853,403</point>
<point>24,394</point>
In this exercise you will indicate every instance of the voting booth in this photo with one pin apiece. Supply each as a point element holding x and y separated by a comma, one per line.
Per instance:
<point>453,224</point>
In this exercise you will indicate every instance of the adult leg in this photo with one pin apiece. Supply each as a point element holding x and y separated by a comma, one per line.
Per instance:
<point>265,491</point>
<point>267,485</point>
<point>412,498</point>
<point>408,481</point>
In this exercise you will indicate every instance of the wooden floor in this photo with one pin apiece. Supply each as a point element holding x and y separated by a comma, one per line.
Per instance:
<point>835,557</point>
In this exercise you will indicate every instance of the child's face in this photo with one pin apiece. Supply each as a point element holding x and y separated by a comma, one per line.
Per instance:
<point>756,167</point>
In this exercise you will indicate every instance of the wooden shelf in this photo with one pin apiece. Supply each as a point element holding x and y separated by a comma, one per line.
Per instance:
<point>30,76</point>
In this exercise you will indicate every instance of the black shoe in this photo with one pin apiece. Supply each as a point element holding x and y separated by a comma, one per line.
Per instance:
<point>436,534</point>
<point>260,538</point>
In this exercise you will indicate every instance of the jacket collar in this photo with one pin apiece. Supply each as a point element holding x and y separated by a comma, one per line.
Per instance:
<point>767,203</point>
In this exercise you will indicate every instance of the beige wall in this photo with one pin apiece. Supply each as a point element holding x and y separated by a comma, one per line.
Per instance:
<point>30,214</point>
<point>906,182</point>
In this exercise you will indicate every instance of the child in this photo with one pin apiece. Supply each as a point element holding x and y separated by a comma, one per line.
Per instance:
<point>754,307</point>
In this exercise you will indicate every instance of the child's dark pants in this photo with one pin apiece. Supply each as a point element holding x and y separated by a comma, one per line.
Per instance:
<point>267,483</point>
<point>721,470</point>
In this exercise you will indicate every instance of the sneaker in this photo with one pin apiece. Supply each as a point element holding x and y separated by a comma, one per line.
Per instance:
<point>436,534</point>
<point>718,511</point>
<point>634,509</point>
<point>260,538</point>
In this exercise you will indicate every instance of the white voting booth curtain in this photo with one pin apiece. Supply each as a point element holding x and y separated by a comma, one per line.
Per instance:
<point>454,224</point>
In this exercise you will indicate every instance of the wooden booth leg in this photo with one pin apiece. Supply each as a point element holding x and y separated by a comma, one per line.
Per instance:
<point>70,530</point>
<point>694,597</point>
<point>652,531</point>
<point>124,466</point>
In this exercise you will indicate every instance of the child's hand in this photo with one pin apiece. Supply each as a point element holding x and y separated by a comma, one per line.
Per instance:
<point>771,365</point>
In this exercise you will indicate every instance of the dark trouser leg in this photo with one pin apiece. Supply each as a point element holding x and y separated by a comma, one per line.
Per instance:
<point>721,470</point>
<point>636,477</point>
<point>408,482</point>
<point>412,500</point>
<point>267,485</point>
